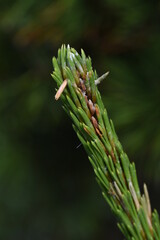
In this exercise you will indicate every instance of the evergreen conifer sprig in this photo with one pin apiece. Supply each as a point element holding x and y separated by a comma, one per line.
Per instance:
<point>77,88</point>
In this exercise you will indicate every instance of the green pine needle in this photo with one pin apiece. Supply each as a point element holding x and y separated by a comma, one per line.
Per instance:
<point>77,84</point>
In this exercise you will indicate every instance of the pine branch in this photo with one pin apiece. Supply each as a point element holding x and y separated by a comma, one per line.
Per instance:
<point>77,88</point>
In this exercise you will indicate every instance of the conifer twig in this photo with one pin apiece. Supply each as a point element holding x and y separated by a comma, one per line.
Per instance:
<point>77,88</point>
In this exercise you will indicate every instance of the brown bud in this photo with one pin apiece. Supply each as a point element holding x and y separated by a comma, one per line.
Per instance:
<point>91,107</point>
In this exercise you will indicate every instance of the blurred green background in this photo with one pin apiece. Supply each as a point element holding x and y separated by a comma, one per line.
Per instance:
<point>47,186</point>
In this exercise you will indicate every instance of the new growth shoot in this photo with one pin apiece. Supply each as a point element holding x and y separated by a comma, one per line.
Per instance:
<point>77,88</point>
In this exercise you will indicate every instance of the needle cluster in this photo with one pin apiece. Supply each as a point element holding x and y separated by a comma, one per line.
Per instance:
<point>77,88</point>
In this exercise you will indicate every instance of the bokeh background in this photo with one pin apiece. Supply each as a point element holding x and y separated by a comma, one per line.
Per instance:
<point>47,187</point>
